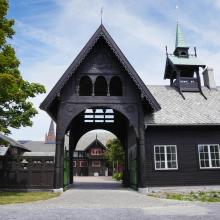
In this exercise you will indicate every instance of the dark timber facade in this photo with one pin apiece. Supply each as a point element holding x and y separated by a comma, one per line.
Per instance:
<point>170,134</point>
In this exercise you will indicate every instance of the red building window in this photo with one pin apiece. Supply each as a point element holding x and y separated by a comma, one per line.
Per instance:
<point>74,163</point>
<point>96,163</point>
<point>83,163</point>
<point>96,151</point>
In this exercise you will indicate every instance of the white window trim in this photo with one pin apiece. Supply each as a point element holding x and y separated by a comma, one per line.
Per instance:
<point>165,151</point>
<point>99,165</point>
<point>81,162</point>
<point>210,161</point>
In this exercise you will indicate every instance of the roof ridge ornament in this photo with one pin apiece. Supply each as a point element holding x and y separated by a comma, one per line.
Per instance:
<point>180,41</point>
<point>101,13</point>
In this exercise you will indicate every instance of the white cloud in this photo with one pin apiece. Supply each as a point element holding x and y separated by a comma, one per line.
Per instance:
<point>141,37</point>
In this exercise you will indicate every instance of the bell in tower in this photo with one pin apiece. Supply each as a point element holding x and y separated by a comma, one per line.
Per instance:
<point>182,68</point>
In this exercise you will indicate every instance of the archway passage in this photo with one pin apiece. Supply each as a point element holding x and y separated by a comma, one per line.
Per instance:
<point>82,158</point>
<point>98,160</point>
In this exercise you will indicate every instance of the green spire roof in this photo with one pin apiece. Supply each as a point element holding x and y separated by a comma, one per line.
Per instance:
<point>180,42</point>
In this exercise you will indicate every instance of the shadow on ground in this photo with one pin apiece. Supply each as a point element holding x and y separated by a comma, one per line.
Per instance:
<point>101,183</point>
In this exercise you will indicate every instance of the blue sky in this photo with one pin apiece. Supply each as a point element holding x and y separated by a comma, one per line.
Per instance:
<point>50,34</point>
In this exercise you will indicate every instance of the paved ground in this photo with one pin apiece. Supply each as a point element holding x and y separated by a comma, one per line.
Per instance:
<point>100,198</point>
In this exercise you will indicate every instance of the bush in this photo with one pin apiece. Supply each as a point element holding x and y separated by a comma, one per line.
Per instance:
<point>117,176</point>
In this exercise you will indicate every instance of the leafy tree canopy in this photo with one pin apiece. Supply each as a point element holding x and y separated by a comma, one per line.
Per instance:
<point>114,152</point>
<point>15,109</point>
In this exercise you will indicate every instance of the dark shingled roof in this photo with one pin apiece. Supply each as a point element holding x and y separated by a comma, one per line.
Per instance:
<point>101,32</point>
<point>12,142</point>
<point>194,110</point>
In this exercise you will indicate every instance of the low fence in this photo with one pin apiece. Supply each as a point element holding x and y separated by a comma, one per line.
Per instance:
<point>32,172</point>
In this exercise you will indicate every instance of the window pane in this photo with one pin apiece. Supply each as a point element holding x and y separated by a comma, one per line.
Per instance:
<point>173,156</point>
<point>174,165</point>
<point>169,165</point>
<point>200,148</point>
<point>173,149</point>
<point>206,156</point>
<point>169,157</point>
<point>162,157</point>
<point>158,165</point>
<point>157,157</point>
<point>168,150</point>
<point>206,163</point>
<point>156,150</point>
<point>202,156</point>
<point>202,163</point>
<point>162,150</point>
<point>162,164</point>
<point>213,155</point>
<point>205,149</point>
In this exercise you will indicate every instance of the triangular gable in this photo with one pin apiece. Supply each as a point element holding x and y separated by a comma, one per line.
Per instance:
<point>95,142</point>
<point>101,32</point>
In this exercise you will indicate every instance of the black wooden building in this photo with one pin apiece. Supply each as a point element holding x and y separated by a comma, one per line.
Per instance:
<point>171,134</point>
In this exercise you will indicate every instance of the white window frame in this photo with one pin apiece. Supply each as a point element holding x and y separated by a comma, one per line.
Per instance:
<point>165,152</point>
<point>99,165</point>
<point>210,160</point>
<point>81,162</point>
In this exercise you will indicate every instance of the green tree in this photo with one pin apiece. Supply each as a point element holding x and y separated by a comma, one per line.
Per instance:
<point>15,108</point>
<point>114,152</point>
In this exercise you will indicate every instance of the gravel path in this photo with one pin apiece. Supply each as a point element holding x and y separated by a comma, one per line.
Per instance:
<point>100,198</point>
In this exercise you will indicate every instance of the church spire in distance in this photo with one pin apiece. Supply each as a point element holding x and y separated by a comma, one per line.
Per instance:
<point>50,138</point>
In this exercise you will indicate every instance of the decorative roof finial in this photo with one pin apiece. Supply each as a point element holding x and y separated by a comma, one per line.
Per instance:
<point>101,14</point>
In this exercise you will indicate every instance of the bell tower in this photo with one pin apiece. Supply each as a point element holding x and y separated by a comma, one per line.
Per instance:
<point>183,68</point>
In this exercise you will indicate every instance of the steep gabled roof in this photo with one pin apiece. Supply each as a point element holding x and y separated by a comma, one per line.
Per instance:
<point>101,32</point>
<point>95,143</point>
<point>194,110</point>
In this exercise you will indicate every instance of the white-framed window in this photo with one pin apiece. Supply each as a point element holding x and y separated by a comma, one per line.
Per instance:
<point>165,157</point>
<point>209,156</point>
<point>96,163</point>
<point>83,163</point>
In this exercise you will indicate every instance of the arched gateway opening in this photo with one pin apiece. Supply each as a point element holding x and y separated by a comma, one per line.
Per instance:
<point>120,106</point>
<point>111,120</point>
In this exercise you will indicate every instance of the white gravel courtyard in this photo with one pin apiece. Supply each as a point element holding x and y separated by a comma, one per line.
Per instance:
<point>102,198</point>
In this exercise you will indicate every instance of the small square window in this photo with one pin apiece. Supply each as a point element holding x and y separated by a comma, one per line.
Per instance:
<point>165,157</point>
<point>209,156</point>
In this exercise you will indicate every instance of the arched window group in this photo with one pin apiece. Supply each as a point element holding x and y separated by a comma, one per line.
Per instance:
<point>100,87</point>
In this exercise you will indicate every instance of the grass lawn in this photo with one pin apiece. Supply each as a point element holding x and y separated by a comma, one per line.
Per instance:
<point>192,196</point>
<point>21,197</point>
